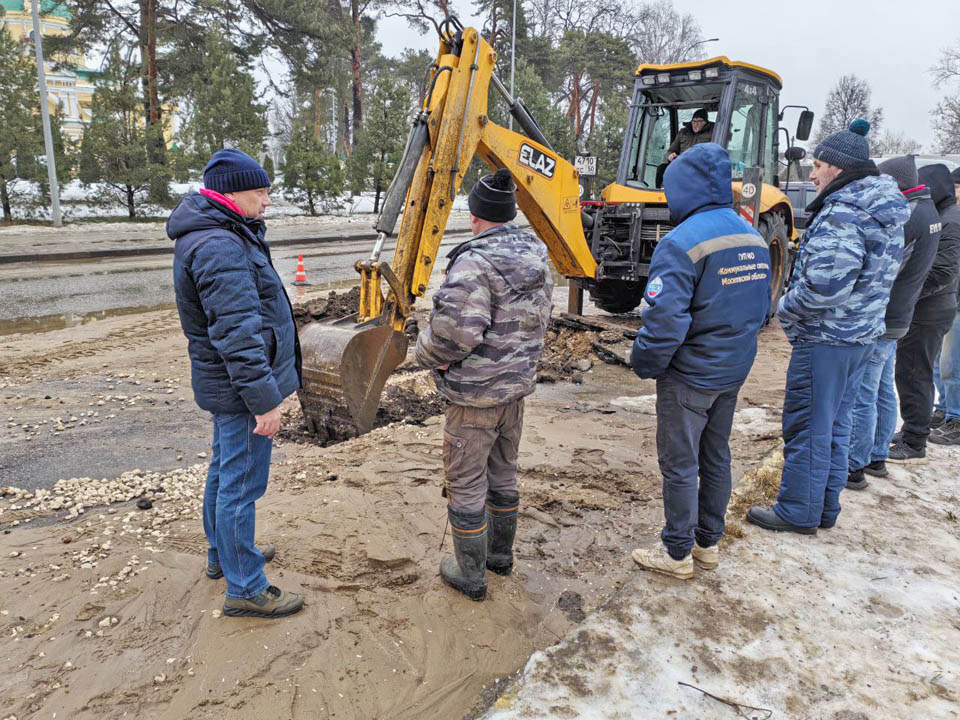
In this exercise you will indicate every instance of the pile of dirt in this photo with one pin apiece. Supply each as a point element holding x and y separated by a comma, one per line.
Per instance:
<point>331,307</point>
<point>567,355</point>
<point>409,398</point>
<point>570,351</point>
<point>410,402</point>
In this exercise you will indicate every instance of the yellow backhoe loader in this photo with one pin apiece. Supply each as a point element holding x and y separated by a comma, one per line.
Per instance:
<point>604,247</point>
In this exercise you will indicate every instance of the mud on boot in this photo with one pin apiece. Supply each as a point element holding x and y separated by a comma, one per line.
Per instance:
<point>466,571</point>
<point>271,603</point>
<point>502,511</point>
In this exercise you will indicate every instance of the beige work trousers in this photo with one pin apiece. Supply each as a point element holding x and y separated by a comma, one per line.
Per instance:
<point>480,453</point>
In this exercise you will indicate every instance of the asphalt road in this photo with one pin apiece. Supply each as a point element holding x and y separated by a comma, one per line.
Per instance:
<point>37,297</point>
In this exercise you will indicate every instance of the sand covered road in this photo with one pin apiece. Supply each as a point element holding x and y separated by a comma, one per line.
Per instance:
<point>108,615</point>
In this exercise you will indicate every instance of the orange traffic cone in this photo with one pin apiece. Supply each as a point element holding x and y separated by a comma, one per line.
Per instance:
<point>301,278</point>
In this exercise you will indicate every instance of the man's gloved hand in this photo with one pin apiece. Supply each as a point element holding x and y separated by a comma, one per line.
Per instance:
<point>411,329</point>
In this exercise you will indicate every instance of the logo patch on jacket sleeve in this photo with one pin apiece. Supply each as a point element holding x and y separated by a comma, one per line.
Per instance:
<point>654,287</point>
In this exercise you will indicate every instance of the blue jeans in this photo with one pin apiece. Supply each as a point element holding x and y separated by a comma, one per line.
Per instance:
<point>693,433</point>
<point>236,480</point>
<point>869,425</point>
<point>946,373</point>
<point>822,384</point>
<point>888,409</point>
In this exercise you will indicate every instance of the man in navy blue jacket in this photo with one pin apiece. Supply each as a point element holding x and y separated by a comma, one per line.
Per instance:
<point>708,296</point>
<point>244,358</point>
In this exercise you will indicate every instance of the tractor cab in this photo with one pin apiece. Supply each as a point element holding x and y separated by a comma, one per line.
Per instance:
<point>741,102</point>
<point>741,105</point>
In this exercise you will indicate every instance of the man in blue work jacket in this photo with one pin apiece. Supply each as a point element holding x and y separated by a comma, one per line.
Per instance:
<point>708,296</point>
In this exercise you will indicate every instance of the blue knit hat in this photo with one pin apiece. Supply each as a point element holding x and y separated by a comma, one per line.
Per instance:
<point>234,171</point>
<point>847,148</point>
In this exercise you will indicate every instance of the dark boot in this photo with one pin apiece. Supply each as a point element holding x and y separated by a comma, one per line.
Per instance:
<point>502,511</point>
<point>467,571</point>
<point>769,520</point>
<point>856,480</point>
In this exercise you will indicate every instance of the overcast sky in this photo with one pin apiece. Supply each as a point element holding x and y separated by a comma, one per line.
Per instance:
<point>889,43</point>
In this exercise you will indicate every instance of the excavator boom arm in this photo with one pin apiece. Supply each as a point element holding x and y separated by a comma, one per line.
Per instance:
<point>455,113</point>
<point>346,364</point>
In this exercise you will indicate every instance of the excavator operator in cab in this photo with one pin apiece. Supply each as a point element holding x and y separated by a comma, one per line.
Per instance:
<point>698,130</point>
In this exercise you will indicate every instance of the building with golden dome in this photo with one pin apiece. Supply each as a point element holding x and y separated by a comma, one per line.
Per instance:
<point>70,83</point>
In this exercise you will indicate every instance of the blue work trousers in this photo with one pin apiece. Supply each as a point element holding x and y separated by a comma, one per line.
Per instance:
<point>693,433</point>
<point>888,410</point>
<point>822,384</point>
<point>946,373</point>
<point>237,478</point>
<point>873,425</point>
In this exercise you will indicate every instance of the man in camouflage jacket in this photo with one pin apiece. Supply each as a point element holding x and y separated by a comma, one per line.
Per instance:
<point>833,314</point>
<point>483,342</point>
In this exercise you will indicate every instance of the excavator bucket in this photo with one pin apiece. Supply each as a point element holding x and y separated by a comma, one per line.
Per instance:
<point>345,366</point>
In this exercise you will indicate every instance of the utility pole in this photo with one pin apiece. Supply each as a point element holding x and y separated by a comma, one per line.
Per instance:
<point>513,55</point>
<point>45,114</point>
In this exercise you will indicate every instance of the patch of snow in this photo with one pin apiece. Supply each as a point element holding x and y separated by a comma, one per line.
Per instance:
<point>643,404</point>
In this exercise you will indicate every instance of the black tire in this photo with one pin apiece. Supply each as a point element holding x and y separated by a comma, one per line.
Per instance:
<point>617,296</point>
<point>774,230</point>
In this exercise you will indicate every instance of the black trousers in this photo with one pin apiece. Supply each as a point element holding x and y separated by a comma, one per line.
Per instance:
<point>916,353</point>
<point>693,434</point>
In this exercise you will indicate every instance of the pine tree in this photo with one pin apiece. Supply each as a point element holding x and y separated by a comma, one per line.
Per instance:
<point>20,143</point>
<point>115,147</point>
<point>268,166</point>
<point>311,173</point>
<point>380,144</point>
<point>225,111</point>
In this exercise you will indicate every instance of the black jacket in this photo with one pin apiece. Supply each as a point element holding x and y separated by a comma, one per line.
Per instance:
<point>687,138</point>
<point>944,275</point>
<point>920,241</point>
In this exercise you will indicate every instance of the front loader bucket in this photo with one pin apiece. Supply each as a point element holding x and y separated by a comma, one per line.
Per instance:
<point>345,367</point>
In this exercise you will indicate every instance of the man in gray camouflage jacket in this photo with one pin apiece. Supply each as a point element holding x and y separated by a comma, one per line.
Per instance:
<point>484,339</point>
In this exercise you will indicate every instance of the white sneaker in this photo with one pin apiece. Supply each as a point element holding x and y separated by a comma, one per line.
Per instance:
<point>659,560</point>
<point>706,557</point>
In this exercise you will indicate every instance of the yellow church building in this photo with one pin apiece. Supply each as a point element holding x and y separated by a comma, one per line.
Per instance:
<point>70,88</point>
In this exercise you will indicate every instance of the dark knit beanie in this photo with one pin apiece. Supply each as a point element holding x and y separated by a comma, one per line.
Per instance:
<point>847,148</point>
<point>234,171</point>
<point>903,170</point>
<point>701,114</point>
<point>956,176</point>
<point>493,198</point>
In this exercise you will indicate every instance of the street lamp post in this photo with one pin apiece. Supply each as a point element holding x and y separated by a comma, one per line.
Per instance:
<point>45,115</point>
<point>513,54</point>
<point>699,42</point>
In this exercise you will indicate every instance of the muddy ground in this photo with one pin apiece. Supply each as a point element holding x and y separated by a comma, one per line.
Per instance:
<point>108,615</point>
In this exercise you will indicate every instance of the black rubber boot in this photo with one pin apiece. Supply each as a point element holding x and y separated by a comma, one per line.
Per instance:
<point>502,511</point>
<point>467,572</point>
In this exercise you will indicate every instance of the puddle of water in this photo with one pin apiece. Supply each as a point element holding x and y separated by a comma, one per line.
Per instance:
<point>46,323</point>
